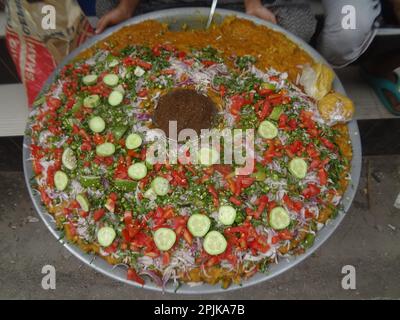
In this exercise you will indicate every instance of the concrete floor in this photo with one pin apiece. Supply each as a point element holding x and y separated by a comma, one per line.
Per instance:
<point>368,239</point>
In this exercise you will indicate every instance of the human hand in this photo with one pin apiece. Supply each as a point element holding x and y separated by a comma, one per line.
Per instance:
<point>256,9</point>
<point>122,12</point>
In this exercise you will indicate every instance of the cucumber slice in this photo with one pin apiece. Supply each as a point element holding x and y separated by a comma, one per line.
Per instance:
<point>120,88</point>
<point>267,130</point>
<point>125,185</point>
<point>226,215</point>
<point>137,171</point>
<point>90,79</point>
<point>160,186</point>
<point>199,224</point>
<point>208,156</point>
<point>298,167</point>
<point>150,194</point>
<point>83,202</point>
<point>139,71</point>
<point>60,180</point>
<point>111,79</point>
<point>106,236</point>
<point>133,141</point>
<point>68,159</point>
<point>113,63</point>
<point>97,124</point>
<point>91,101</point>
<point>90,181</point>
<point>276,113</point>
<point>164,238</point>
<point>105,149</point>
<point>115,98</point>
<point>279,218</point>
<point>119,130</point>
<point>214,243</point>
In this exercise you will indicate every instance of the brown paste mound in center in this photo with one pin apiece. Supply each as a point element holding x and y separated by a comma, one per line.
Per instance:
<point>190,109</point>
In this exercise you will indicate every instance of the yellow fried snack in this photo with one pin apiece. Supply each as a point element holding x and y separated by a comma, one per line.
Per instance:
<point>317,80</point>
<point>336,108</point>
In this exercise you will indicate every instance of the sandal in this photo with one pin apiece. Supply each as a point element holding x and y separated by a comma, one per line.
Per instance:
<point>387,91</point>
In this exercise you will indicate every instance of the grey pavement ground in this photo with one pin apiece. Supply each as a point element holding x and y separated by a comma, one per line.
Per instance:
<point>368,239</point>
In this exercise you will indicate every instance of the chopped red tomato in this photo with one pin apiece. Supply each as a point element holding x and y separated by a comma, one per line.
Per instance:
<point>143,64</point>
<point>180,179</point>
<point>322,176</point>
<point>112,248</point>
<point>133,229</point>
<point>142,93</point>
<point>168,71</point>
<point>259,244</point>
<point>222,90</point>
<point>43,194</point>
<point>166,258</point>
<point>133,276</point>
<point>121,171</point>
<point>271,153</point>
<point>128,217</point>
<point>156,50</point>
<point>53,103</point>
<point>214,194</point>
<point>265,111</point>
<point>37,167</point>
<point>98,139</point>
<point>291,204</point>
<point>285,235</point>
<point>327,143</point>
<point>312,151</point>
<point>235,201</point>
<point>181,55</point>
<point>98,214</point>
<point>237,102</point>
<point>311,191</point>
<point>292,123</point>
<point>247,181</point>
<point>262,205</point>
<point>275,99</point>
<point>283,118</point>
<point>265,92</point>
<point>187,236</point>
<point>208,63</point>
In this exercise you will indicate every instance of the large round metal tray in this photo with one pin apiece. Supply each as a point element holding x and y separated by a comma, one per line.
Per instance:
<point>196,18</point>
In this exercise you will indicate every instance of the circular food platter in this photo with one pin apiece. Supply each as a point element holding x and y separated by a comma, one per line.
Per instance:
<point>195,18</point>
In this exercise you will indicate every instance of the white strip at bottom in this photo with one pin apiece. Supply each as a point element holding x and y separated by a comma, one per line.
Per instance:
<point>13,110</point>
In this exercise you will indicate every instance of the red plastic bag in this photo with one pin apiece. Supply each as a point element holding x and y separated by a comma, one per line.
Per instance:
<point>40,34</point>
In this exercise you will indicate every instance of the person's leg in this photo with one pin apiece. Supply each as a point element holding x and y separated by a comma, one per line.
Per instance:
<point>342,46</point>
<point>152,5</point>
<point>104,6</point>
<point>295,16</point>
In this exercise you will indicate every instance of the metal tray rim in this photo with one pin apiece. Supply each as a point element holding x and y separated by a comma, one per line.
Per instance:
<point>117,273</point>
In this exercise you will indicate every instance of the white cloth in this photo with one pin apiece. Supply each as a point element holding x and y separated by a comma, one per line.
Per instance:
<point>342,46</point>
